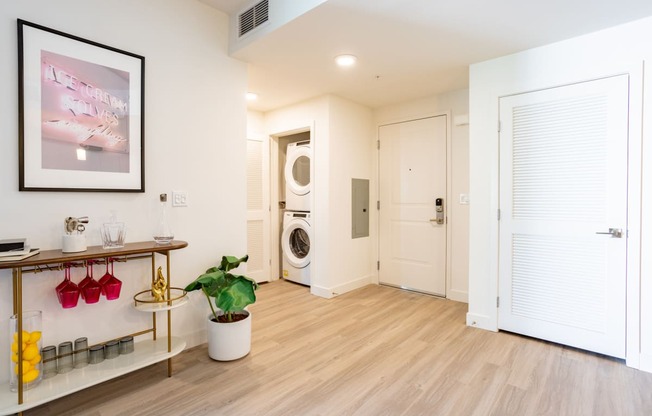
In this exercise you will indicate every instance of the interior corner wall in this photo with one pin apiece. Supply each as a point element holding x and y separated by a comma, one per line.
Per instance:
<point>618,50</point>
<point>457,102</point>
<point>195,125</point>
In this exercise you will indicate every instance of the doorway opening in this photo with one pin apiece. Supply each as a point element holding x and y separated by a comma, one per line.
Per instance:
<point>300,173</point>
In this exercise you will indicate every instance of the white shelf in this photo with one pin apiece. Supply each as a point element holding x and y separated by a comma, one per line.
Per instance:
<point>145,353</point>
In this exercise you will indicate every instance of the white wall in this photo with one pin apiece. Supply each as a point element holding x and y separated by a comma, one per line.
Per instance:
<point>351,156</point>
<point>457,102</point>
<point>618,50</point>
<point>340,143</point>
<point>195,129</point>
<point>255,125</point>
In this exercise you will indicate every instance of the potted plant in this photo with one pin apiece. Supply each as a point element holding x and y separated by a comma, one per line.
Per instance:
<point>229,327</point>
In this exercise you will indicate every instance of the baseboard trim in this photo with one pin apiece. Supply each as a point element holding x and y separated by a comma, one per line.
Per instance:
<point>329,293</point>
<point>644,362</point>
<point>458,296</point>
<point>481,321</point>
<point>322,292</point>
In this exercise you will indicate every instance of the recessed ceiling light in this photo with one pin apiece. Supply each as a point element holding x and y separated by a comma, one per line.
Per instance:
<point>252,96</point>
<point>345,60</point>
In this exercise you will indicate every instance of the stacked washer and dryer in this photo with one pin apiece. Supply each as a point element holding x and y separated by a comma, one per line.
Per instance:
<point>295,239</point>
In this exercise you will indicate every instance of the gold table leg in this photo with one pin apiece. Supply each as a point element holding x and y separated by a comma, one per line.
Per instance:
<point>18,311</point>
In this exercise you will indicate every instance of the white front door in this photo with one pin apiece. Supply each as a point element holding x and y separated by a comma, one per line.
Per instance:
<point>258,240</point>
<point>563,186</point>
<point>412,176</point>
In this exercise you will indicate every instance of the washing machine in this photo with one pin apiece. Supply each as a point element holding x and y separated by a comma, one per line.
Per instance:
<point>297,177</point>
<point>295,244</point>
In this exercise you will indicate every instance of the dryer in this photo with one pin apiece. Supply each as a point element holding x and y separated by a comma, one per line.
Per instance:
<point>297,176</point>
<point>295,244</point>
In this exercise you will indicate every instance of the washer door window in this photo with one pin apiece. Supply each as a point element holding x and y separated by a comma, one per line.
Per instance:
<point>297,170</point>
<point>296,244</point>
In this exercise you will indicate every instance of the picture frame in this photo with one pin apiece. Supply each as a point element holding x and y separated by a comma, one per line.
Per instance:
<point>81,114</point>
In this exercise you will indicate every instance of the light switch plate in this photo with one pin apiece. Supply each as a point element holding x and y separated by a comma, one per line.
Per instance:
<point>464,199</point>
<point>179,198</point>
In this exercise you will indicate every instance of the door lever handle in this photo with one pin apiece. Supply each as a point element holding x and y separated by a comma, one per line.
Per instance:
<point>614,232</point>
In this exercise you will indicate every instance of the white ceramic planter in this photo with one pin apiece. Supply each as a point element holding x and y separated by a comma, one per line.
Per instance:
<point>229,341</point>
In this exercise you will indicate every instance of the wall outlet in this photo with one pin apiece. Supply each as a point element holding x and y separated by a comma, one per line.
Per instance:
<point>179,198</point>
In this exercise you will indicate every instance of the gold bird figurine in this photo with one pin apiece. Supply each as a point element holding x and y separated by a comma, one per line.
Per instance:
<point>159,286</point>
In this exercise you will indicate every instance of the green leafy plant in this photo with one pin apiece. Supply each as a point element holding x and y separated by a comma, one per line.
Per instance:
<point>231,293</point>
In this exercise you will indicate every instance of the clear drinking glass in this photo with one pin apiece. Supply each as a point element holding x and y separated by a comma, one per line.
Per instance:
<point>163,232</point>
<point>49,355</point>
<point>64,357</point>
<point>111,350</point>
<point>31,364</point>
<point>80,357</point>
<point>126,345</point>
<point>96,354</point>
<point>113,234</point>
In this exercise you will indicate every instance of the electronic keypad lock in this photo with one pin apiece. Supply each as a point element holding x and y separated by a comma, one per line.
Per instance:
<point>439,209</point>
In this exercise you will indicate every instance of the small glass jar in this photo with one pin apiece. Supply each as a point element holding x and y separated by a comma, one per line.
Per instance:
<point>31,365</point>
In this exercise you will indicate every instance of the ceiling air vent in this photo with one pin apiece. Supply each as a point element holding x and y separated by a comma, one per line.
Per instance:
<point>254,17</point>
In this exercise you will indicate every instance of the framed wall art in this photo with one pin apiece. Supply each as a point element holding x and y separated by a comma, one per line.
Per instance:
<point>81,108</point>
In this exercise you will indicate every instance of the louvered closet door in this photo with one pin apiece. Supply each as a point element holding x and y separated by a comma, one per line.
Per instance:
<point>258,241</point>
<point>563,179</point>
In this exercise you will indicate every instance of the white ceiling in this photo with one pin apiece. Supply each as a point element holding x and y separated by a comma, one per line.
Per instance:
<point>408,49</point>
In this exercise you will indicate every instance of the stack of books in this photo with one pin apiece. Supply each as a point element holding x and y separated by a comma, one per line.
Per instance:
<point>16,249</point>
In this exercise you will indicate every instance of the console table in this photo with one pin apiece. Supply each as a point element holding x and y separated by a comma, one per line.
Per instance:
<point>146,352</point>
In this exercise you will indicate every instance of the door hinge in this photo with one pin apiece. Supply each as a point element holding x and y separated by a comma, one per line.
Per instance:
<point>498,215</point>
<point>500,125</point>
<point>378,144</point>
<point>378,265</point>
<point>377,205</point>
<point>497,301</point>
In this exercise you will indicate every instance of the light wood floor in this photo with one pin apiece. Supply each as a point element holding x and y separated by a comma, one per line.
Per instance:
<point>374,351</point>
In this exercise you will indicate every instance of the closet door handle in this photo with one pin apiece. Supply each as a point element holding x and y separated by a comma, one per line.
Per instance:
<point>614,232</point>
